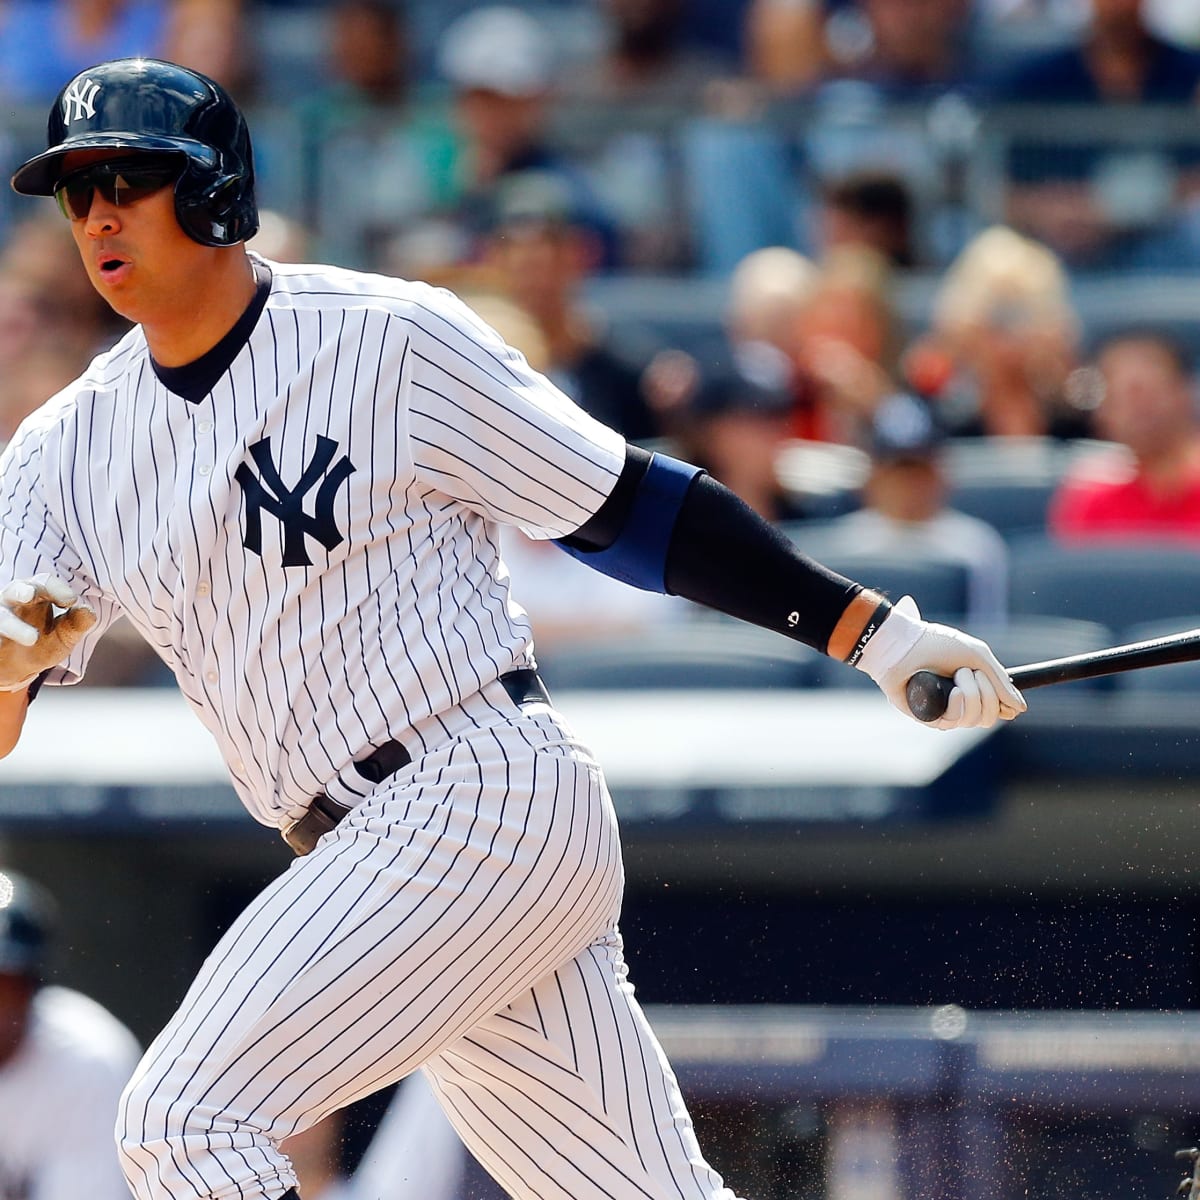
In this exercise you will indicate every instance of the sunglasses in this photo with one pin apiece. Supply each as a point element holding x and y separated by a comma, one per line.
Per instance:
<point>119,183</point>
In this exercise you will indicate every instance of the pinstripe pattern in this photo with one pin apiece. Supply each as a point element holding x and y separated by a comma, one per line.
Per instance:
<point>566,1093</point>
<point>464,915</point>
<point>482,886</point>
<point>298,671</point>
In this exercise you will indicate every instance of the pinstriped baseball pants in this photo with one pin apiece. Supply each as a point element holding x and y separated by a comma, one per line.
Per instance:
<point>463,918</point>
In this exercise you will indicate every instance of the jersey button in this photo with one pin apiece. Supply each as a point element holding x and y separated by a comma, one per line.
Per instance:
<point>205,427</point>
<point>206,470</point>
<point>211,676</point>
<point>202,589</point>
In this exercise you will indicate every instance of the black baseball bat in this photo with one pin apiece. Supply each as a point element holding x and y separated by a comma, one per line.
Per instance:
<point>928,693</point>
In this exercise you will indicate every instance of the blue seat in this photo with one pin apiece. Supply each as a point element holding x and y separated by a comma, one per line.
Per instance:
<point>1117,584</point>
<point>1174,677</point>
<point>1012,506</point>
<point>937,585</point>
<point>704,653</point>
<point>1034,638</point>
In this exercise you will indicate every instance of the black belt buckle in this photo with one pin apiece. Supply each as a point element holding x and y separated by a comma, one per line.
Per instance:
<point>322,816</point>
<point>324,813</point>
<point>524,686</point>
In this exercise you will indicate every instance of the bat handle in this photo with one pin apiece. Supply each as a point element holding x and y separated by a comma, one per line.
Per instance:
<point>928,694</point>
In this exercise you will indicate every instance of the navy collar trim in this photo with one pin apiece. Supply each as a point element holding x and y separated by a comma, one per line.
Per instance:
<point>195,380</point>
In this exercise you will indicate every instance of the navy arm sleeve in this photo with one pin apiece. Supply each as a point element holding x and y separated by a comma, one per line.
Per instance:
<point>723,555</point>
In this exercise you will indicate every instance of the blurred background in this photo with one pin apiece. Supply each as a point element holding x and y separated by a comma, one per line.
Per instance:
<point>916,278</point>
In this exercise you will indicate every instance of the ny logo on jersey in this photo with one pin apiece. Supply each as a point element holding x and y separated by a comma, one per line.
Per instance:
<point>80,100</point>
<point>267,491</point>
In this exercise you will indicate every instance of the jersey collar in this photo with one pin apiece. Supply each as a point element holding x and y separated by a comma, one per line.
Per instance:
<point>193,381</point>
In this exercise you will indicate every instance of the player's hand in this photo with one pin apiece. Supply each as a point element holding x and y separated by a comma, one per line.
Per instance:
<point>41,619</point>
<point>905,644</point>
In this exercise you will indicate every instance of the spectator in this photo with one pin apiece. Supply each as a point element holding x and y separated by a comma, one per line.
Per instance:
<point>500,64</point>
<point>872,208</point>
<point>907,49</point>
<point>539,254</point>
<point>904,510</point>
<point>737,423</point>
<point>644,63</point>
<point>31,370</point>
<point>1003,344</point>
<point>1106,206</point>
<point>43,42</point>
<point>1148,484</point>
<point>1118,59</point>
<point>50,322</point>
<point>211,36</point>
<point>41,253</point>
<point>784,44</point>
<point>768,291</point>
<point>645,58</point>
<point>846,344</point>
<point>64,1062</point>
<point>365,125</point>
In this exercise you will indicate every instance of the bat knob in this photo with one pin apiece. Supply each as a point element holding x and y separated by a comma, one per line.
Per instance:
<point>928,694</point>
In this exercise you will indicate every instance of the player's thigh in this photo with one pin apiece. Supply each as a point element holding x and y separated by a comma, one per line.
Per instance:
<point>428,909</point>
<point>566,1094</point>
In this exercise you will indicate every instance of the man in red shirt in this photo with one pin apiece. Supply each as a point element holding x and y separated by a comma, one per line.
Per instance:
<point>1150,485</point>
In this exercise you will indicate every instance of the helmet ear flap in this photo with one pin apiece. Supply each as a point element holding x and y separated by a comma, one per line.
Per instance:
<point>212,215</point>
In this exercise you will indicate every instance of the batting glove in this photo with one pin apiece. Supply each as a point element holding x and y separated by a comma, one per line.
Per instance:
<point>33,635</point>
<point>905,644</point>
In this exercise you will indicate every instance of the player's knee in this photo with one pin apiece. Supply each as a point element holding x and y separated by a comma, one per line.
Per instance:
<point>168,1146</point>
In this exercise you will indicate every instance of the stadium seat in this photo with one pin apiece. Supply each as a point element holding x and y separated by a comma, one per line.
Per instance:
<point>938,585</point>
<point>1117,584</point>
<point>1034,638</point>
<point>703,653</point>
<point>1175,677</point>
<point>1014,507</point>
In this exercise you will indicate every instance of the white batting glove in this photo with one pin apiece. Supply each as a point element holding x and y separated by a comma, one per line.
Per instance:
<point>905,644</point>
<point>33,636</point>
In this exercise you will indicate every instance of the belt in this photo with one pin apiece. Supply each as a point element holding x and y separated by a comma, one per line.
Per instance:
<point>524,686</point>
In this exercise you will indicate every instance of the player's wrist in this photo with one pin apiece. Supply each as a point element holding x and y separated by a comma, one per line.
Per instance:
<point>897,633</point>
<point>860,621</point>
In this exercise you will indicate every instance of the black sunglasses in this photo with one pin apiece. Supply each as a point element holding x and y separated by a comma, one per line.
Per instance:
<point>120,183</point>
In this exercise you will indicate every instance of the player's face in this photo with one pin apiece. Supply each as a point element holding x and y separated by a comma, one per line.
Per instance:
<point>135,253</point>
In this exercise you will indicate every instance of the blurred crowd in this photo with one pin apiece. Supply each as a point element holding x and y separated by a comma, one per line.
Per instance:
<point>806,162</point>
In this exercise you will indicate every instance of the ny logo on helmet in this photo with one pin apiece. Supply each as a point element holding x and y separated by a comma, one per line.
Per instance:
<point>80,100</point>
<point>286,504</point>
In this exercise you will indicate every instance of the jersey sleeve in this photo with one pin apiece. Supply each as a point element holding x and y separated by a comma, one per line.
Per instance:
<point>32,541</point>
<point>494,434</point>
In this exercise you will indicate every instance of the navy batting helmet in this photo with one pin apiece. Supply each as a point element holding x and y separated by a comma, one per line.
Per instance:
<point>26,924</point>
<point>145,105</point>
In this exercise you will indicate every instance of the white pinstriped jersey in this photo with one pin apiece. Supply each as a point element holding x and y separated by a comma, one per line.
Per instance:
<point>312,546</point>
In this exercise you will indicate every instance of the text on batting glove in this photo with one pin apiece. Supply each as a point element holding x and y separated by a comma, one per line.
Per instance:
<point>905,644</point>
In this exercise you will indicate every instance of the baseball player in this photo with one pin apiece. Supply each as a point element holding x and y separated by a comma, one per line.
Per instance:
<point>290,479</point>
<point>63,1063</point>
